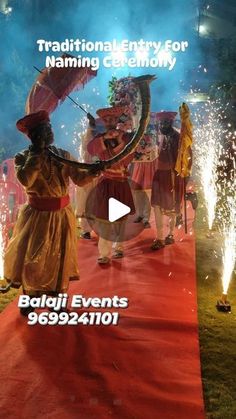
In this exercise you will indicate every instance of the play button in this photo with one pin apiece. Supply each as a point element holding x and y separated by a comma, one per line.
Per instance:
<point>117,210</point>
<point>105,212</point>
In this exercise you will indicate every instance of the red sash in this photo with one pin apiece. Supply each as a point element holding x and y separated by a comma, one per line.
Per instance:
<point>48,204</point>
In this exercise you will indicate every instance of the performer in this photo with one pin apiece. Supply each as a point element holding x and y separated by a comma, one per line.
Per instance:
<point>42,254</point>
<point>112,183</point>
<point>83,192</point>
<point>167,186</point>
<point>142,176</point>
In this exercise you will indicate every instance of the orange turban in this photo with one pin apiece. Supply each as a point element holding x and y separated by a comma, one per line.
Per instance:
<point>31,121</point>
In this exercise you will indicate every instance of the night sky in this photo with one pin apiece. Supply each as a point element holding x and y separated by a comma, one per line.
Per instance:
<point>95,20</point>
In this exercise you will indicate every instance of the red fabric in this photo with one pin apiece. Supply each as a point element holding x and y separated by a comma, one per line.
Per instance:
<point>31,121</point>
<point>165,116</point>
<point>146,367</point>
<point>167,190</point>
<point>168,151</point>
<point>53,85</point>
<point>110,188</point>
<point>142,175</point>
<point>113,111</point>
<point>48,204</point>
<point>95,147</point>
<point>116,175</point>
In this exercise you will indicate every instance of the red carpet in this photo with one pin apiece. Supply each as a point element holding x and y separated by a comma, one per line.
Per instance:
<point>146,367</point>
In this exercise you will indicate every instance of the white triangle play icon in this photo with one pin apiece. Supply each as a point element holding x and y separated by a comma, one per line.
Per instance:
<point>117,210</point>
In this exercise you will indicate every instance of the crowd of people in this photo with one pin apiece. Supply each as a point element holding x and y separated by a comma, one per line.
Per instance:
<point>42,253</point>
<point>139,185</point>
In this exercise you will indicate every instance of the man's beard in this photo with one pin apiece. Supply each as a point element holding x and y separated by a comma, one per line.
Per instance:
<point>166,131</point>
<point>49,140</point>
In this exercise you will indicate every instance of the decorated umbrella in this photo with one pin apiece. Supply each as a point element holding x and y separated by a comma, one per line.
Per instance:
<point>54,84</point>
<point>142,83</point>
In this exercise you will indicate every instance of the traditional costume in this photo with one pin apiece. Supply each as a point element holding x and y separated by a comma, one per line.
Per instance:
<point>144,167</point>
<point>167,186</point>
<point>113,183</point>
<point>142,177</point>
<point>42,255</point>
<point>83,192</point>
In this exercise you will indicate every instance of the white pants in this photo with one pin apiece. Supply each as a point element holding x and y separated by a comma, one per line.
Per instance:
<point>84,225</point>
<point>81,199</point>
<point>159,218</point>
<point>142,204</point>
<point>106,232</point>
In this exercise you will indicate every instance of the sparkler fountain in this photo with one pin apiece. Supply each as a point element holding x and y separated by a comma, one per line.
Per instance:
<point>208,134</point>
<point>218,192</point>
<point>228,220</point>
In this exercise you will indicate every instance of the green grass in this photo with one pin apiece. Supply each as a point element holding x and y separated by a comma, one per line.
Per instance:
<point>217,331</point>
<point>5,299</point>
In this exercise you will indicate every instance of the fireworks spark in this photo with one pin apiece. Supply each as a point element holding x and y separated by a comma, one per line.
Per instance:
<point>228,228</point>
<point>229,250</point>
<point>208,134</point>
<point>80,129</point>
<point>227,206</point>
<point>215,158</point>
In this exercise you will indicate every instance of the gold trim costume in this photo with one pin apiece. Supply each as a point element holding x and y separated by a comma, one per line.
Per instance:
<point>42,255</point>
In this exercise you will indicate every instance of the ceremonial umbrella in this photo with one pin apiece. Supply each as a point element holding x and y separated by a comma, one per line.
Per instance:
<point>54,84</point>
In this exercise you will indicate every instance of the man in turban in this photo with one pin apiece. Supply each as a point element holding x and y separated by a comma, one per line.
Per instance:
<point>113,183</point>
<point>42,254</point>
<point>167,186</point>
<point>143,171</point>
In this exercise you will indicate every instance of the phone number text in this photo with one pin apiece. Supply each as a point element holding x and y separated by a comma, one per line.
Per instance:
<point>73,318</point>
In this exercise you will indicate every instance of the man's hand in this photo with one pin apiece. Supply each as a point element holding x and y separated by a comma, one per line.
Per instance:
<point>112,133</point>
<point>96,169</point>
<point>91,119</point>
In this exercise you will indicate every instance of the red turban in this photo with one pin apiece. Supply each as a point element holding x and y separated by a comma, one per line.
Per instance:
<point>166,116</point>
<point>115,111</point>
<point>31,121</point>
